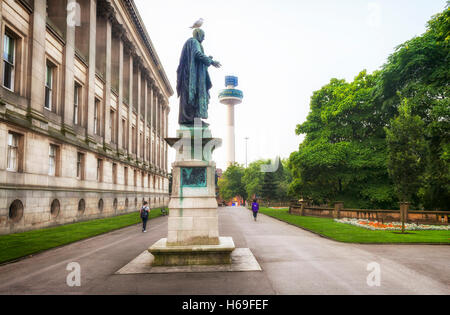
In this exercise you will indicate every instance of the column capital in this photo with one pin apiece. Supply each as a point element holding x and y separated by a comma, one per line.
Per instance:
<point>138,61</point>
<point>106,10</point>
<point>155,90</point>
<point>118,29</point>
<point>145,73</point>
<point>128,44</point>
<point>150,79</point>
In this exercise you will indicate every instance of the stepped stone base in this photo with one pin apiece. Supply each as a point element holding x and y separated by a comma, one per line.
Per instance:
<point>194,254</point>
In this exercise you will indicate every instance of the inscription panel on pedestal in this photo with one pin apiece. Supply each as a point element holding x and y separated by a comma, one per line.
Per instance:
<point>193,177</point>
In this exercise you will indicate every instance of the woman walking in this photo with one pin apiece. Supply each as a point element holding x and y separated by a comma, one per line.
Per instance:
<point>255,208</point>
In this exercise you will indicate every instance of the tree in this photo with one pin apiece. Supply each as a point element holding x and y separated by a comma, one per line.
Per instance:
<point>253,178</point>
<point>231,184</point>
<point>344,153</point>
<point>406,153</point>
<point>419,70</point>
<point>285,180</point>
<point>269,186</point>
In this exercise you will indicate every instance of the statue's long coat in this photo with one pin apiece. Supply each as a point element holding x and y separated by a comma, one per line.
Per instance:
<point>193,83</point>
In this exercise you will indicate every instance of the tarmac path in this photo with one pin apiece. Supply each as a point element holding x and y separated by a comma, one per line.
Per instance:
<point>293,261</point>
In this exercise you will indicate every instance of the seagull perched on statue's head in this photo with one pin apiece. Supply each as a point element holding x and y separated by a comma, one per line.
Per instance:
<point>198,24</point>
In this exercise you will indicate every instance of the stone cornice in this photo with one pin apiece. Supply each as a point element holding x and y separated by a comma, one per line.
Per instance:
<point>26,5</point>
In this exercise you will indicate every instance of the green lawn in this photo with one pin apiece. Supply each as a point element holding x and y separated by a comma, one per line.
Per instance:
<point>19,245</point>
<point>353,234</point>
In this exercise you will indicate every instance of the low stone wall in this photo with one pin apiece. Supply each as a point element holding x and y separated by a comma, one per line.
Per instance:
<point>424,217</point>
<point>25,210</point>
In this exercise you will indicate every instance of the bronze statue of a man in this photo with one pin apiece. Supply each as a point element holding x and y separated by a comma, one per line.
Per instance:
<point>193,81</point>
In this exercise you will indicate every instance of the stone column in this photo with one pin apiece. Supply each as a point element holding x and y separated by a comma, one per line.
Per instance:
<point>167,135</point>
<point>164,137</point>
<point>69,78</point>
<point>160,104</point>
<point>107,131</point>
<point>158,131</point>
<point>158,116</point>
<point>154,124</point>
<point>145,87</point>
<point>150,108</point>
<point>37,73</point>
<point>130,108</point>
<point>91,73</point>
<point>120,130</point>
<point>138,106</point>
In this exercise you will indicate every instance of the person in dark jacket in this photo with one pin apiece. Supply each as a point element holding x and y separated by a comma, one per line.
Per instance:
<point>145,213</point>
<point>255,208</point>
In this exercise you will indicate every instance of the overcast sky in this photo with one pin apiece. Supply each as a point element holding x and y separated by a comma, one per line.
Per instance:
<point>282,51</point>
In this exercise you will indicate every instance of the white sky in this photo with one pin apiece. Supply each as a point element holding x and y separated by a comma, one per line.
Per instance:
<point>282,51</point>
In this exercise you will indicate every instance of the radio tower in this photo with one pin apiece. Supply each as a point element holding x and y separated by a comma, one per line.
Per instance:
<point>231,97</point>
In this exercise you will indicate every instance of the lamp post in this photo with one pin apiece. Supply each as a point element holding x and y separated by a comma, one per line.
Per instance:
<point>246,151</point>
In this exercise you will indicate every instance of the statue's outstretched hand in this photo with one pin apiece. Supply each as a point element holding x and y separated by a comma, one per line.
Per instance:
<point>216,64</point>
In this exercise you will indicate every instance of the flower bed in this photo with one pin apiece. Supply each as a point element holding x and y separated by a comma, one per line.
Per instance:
<point>394,226</point>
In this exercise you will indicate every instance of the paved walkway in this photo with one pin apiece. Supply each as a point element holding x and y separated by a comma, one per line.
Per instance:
<point>293,261</point>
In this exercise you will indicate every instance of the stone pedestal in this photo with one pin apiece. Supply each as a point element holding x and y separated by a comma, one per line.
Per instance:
<point>188,255</point>
<point>193,231</point>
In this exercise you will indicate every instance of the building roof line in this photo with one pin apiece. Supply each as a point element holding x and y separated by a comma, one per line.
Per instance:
<point>134,13</point>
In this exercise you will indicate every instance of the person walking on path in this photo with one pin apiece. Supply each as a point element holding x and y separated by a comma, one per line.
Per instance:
<point>145,213</point>
<point>255,208</point>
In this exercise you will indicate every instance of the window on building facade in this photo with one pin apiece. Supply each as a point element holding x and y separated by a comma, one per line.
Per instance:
<point>50,86</point>
<point>80,166</point>
<point>99,170</point>
<point>97,117</point>
<point>142,179</point>
<point>148,150</point>
<point>133,138</point>
<point>125,175</point>
<point>53,160</point>
<point>124,134</point>
<point>76,105</point>
<point>9,56</point>
<point>141,142</point>
<point>135,178</point>
<point>112,125</point>
<point>114,173</point>
<point>14,152</point>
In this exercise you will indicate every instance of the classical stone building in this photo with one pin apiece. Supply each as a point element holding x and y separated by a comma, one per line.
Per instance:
<point>83,113</point>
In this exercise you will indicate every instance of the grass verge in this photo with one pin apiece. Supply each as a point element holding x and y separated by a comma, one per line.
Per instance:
<point>352,234</point>
<point>15,246</point>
